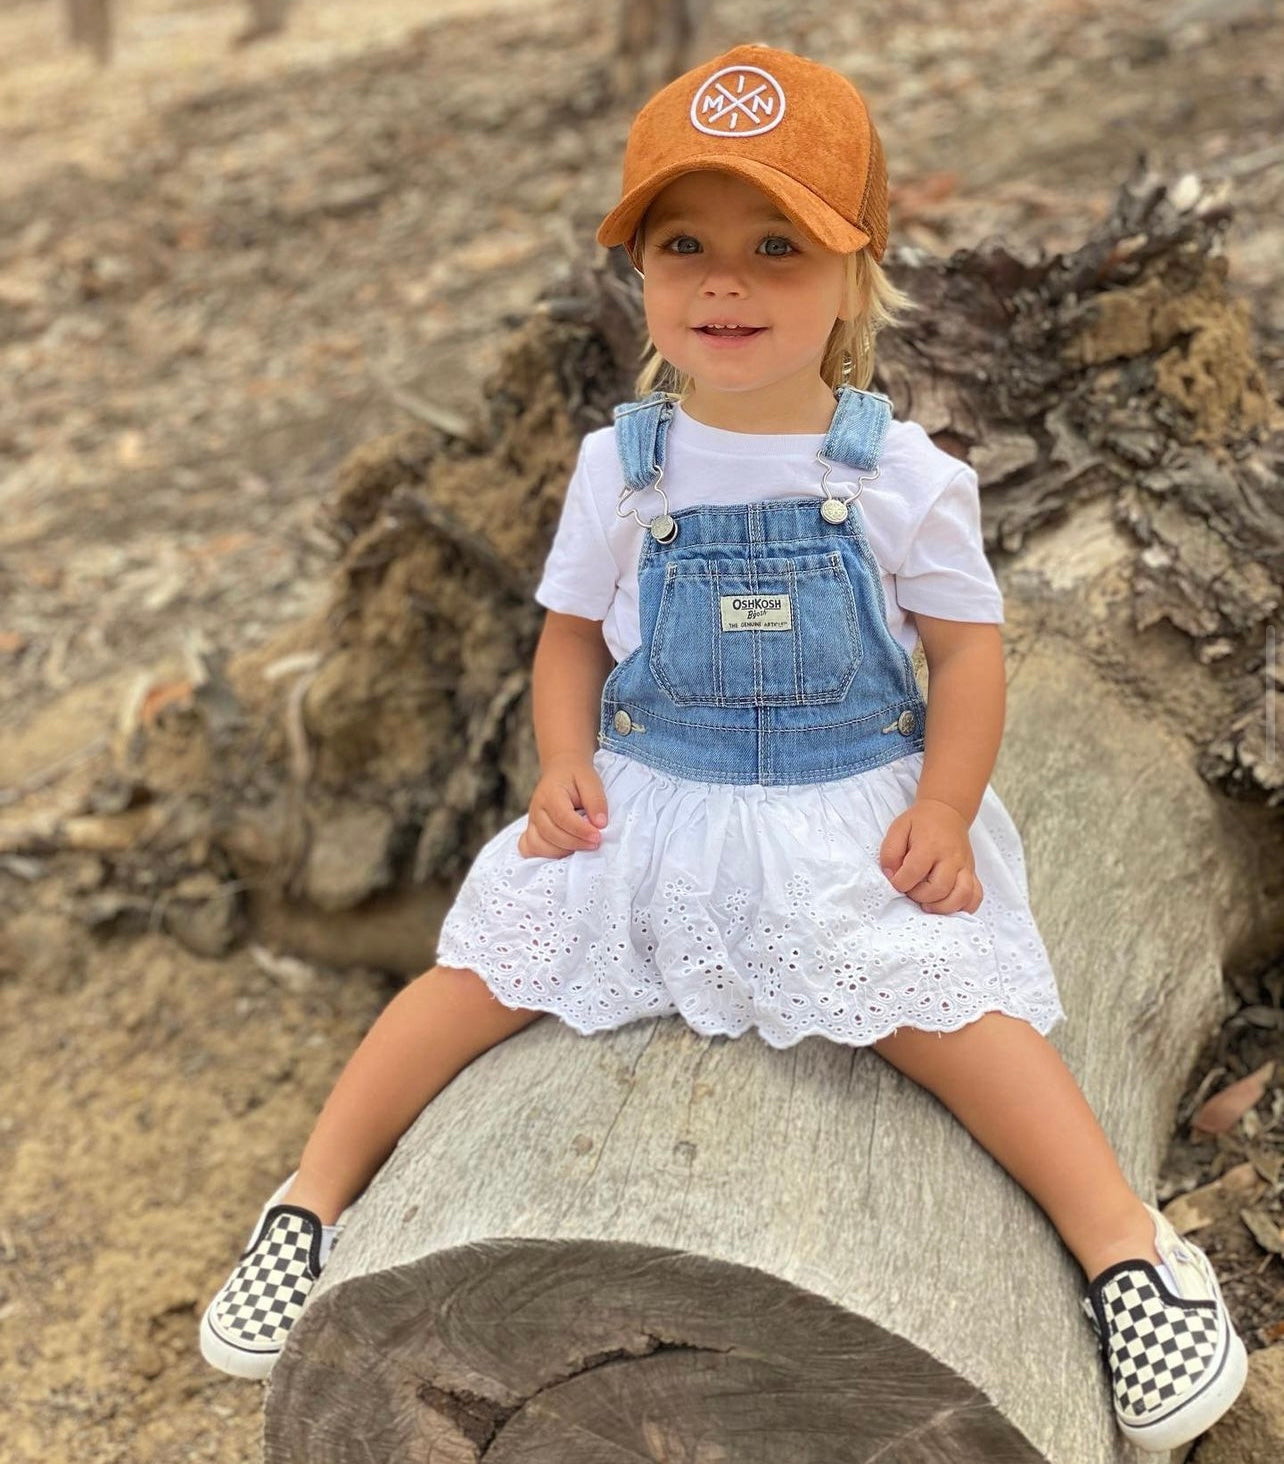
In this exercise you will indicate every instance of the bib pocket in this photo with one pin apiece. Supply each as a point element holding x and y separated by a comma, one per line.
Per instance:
<point>740,632</point>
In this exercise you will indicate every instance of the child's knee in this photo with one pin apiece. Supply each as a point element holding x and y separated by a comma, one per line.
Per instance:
<point>460,985</point>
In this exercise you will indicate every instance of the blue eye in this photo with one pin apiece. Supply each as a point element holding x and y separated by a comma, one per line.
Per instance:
<point>790,247</point>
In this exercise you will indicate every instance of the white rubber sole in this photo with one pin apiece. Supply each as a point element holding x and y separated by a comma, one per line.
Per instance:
<point>229,1359</point>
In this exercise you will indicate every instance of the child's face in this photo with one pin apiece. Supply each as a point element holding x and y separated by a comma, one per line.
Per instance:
<point>711,251</point>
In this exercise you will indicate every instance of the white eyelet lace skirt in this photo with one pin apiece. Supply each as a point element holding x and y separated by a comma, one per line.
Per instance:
<point>749,906</point>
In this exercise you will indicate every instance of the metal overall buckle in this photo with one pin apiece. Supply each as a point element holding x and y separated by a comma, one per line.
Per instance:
<point>834,510</point>
<point>663,527</point>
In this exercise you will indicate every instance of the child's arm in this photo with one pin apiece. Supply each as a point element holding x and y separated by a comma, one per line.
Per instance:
<point>572,662</point>
<point>926,853</point>
<point>966,705</point>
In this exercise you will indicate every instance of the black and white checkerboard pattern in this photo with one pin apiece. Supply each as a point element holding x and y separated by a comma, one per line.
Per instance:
<point>261,1299</point>
<point>1156,1350</point>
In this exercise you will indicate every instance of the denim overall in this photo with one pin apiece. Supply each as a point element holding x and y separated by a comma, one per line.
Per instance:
<point>766,656</point>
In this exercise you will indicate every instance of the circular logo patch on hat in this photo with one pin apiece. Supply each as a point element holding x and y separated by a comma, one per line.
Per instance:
<point>738,101</point>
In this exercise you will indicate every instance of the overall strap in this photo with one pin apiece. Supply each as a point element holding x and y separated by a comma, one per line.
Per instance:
<point>641,428</point>
<point>859,427</point>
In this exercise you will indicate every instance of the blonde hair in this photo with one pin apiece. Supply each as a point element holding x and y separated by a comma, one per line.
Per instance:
<point>870,302</point>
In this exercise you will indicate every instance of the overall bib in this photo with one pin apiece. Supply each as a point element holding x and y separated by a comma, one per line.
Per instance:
<point>766,655</point>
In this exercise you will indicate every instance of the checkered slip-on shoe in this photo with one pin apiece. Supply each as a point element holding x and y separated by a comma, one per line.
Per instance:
<point>245,1326</point>
<point>1175,1362</point>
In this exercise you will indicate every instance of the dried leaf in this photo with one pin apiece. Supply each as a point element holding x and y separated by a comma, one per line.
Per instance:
<point>1263,1016</point>
<point>1225,1109</point>
<point>1265,1230</point>
<point>1268,1163</point>
<point>162,694</point>
<point>1234,1189</point>
<point>295,975</point>
<point>112,834</point>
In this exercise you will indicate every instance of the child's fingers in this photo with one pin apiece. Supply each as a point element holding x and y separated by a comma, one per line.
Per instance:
<point>939,883</point>
<point>551,834</point>
<point>915,870</point>
<point>964,894</point>
<point>531,844</point>
<point>593,799</point>
<point>565,816</point>
<point>562,825</point>
<point>892,854</point>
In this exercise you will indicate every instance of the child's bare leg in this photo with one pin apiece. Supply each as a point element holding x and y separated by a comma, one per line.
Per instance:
<point>429,1031</point>
<point>1010,1089</point>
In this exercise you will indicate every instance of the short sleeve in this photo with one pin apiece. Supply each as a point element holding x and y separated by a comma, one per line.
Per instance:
<point>579,573</point>
<point>945,572</point>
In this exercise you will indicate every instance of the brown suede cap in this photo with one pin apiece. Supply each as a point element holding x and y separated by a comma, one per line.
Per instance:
<point>796,129</point>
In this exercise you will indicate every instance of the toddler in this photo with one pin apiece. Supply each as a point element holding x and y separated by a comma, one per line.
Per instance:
<point>747,814</point>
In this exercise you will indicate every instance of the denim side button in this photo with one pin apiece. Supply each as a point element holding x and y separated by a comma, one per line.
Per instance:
<point>623,722</point>
<point>906,722</point>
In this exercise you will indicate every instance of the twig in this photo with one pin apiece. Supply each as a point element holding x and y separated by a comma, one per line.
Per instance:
<point>451,423</point>
<point>1254,162</point>
<point>295,732</point>
<point>52,771</point>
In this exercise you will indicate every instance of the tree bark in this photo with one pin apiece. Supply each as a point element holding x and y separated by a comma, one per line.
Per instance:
<point>652,1245</point>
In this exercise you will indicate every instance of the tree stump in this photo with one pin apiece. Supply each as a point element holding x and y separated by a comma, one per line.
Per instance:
<point>653,1245</point>
<point>655,41</point>
<point>264,18</point>
<point>89,23</point>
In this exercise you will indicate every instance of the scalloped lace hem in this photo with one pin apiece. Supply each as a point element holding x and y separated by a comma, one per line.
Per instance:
<point>1043,1016</point>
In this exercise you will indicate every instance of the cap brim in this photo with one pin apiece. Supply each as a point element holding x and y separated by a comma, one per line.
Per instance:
<point>807,209</point>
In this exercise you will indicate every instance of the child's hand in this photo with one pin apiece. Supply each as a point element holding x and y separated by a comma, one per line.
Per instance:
<point>555,826</point>
<point>927,856</point>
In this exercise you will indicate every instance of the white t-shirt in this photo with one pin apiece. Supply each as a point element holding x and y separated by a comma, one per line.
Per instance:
<point>922,517</point>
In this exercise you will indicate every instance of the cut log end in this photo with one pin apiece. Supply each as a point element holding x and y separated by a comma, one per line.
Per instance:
<point>580,1352</point>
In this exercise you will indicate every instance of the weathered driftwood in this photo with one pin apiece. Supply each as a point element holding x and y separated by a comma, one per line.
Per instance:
<point>649,1245</point>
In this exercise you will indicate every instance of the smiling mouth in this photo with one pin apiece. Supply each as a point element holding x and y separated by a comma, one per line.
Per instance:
<point>727,332</point>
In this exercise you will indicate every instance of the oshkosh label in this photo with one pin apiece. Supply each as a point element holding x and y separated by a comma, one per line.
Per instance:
<point>756,612</point>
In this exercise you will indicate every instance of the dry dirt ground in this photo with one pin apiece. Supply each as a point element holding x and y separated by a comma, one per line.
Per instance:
<point>219,272</point>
